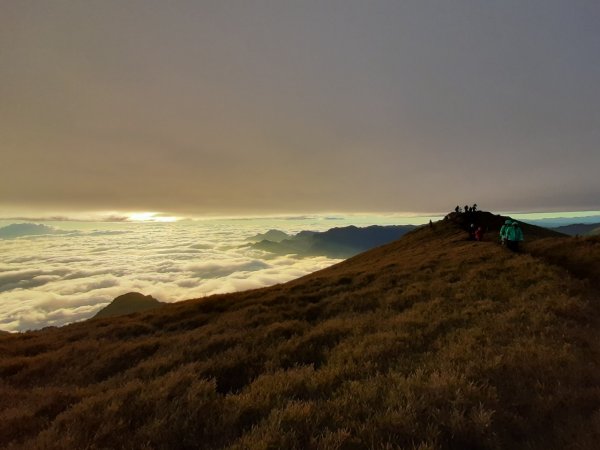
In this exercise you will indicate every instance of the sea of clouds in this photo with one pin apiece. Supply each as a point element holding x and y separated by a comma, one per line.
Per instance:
<point>64,272</point>
<point>54,273</point>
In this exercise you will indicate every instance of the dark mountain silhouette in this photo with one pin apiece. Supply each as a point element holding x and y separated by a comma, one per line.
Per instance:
<point>340,242</point>
<point>271,235</point>
<point>582,229</point>
<point>432,341</point>
<point>555,222</point>
<point>128,303</point>
<point>16,230</point>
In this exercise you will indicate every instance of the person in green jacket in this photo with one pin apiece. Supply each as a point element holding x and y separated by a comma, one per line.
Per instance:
<point>503,230</point>
<point>514,235</point>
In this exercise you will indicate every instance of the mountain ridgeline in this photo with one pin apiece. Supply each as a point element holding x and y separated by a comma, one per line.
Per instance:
<point>17,230</point>
<point>432,341</point>
<point>581,229</point>
<point>342,242</point>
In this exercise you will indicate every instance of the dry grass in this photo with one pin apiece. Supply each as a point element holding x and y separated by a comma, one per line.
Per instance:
<point>431,342</point>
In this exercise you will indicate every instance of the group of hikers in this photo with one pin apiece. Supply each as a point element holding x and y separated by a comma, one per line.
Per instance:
<point>511,234</point>
<point>475,233</point>
<point>468,209</point>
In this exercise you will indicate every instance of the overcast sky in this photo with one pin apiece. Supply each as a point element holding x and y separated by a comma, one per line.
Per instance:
<point>237,107</point>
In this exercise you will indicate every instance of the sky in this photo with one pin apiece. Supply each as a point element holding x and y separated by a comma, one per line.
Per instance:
<point>262,107</point>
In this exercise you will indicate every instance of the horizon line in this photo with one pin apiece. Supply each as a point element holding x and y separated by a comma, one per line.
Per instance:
<point>129,217</point>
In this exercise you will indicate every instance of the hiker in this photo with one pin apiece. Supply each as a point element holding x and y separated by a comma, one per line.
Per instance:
<point>471,231</point>
<point>503,230</point>
<point>479,234</point>
<point>514,235</point>
<point>520,237</point>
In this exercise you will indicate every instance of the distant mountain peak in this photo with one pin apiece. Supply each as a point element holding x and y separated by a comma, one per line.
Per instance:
<point>271,235</point>
<point>127,304</point>
<point>17,230</point>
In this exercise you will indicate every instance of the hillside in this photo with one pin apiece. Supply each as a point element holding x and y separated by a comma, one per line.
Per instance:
<point>430,342</point>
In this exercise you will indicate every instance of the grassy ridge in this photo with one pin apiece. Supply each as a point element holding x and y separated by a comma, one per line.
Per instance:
<point>429,342</point>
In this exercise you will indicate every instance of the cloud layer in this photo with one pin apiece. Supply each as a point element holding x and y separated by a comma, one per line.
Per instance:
<point>62,277</point>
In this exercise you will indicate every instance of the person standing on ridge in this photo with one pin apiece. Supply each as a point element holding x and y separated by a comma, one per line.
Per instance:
<point>503,230</point>
<point>519,233</point>
<point>514,235</point>
<point>479,234</point>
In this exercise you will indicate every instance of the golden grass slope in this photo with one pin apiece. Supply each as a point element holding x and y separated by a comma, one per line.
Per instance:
<point>431,342</point>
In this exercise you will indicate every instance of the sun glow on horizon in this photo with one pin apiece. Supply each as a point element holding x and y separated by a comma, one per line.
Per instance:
<point>150,217</point>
